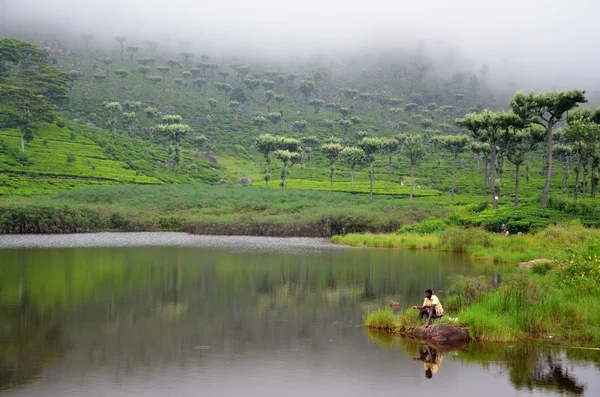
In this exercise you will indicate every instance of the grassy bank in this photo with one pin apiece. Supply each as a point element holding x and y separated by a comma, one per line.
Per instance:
<point>550,301</point>
<point>547,243</point>
<point>204,209</point>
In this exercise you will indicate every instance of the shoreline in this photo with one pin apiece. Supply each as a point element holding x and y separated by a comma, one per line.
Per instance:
<point>160,239</point>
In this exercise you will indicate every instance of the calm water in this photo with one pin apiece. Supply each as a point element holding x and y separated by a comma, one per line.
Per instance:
<point>205,316</point>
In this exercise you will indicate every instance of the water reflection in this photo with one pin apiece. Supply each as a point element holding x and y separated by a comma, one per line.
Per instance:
<point>431,358</point>
<point>530,367</point>
<point>73,316</point>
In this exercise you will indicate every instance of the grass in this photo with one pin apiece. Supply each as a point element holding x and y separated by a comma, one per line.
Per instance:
<point>227,209</point>
<point>560,303</point>
<point>480,244</point>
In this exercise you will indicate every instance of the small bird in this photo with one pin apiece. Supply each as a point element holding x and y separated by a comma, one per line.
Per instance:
<point>393,303</point>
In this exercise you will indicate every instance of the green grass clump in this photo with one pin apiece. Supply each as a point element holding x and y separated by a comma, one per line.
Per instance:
<point>382,319</point>
<point>429,225</point>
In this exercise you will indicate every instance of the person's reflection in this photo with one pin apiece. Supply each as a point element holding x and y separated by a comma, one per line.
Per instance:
<point>431,360</point>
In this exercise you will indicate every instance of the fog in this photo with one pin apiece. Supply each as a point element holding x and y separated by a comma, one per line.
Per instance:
<point>539,43</point>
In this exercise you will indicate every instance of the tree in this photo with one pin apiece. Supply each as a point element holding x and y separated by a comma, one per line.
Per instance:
<point>355,158</point>
<point>199,82</point>
<point>582,135</point>
<point>269,95</point>
<point>308,144</point>
<point>389,146</point>
<point>163,70</point>
<point>345,125</point>
<point>131,120</point>
<point>332,152</point>
<point>370,146</point>
<point>286,157</point>
<point>280,98</point>
<point>224,88</point>
<point>86,39</point>
<point>212,102</point>
<point>238,94</point>
<point>122,73</point>
<point>266,143</point>
<point>132,50</point>
<point>114,110</point>
<point>155,79</point>
<point>546,109</point>
<point>23,109</point>
<point>259,121</point>
<point>482,152</point>
<point>317,104</point>
<point>174,132</point>
<point>519,143</point>
<point>564,153</point>
<point>144,70</point>
<point>307,86</point>
<point>224,75</point>
<point>274,118</point>
<point>74,75</point>
<point>107,62</point>
<point>455,144</point>
<point>121,40</point>
<point>300,126</point>
<point>414,150</point>
<point>99,78</point>
<point>252,84</point>
<point>491,127</point>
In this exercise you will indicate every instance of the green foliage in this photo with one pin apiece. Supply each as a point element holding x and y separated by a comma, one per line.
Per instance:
<point>427,226</point>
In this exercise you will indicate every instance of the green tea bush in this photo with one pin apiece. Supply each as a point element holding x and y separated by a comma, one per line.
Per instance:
<point>429,225</point>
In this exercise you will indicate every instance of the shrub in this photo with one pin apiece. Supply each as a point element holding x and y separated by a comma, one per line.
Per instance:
<point>429,225</point>
<point>60,124</point>
<point>70,158</point>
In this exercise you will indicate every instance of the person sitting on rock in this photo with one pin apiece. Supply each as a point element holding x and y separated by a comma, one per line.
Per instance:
<point>431,308</point>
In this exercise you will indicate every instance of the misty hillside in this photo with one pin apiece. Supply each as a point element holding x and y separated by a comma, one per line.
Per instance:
<point>166,108</point>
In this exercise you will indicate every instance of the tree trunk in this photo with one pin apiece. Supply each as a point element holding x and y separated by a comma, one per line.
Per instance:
<point>412,181</point>
<point>267,174</point>
<point>352,179</point>
<point>527,173</point>
<point>594,181</point>
<point>301,168</point>
<point>549,145</point>
<point>22,141</point>
<point>389,168</point>
<point>492,175</point>
<point>577,173</point>
<point>485,178</point>
<point>371,181</point>
<point>453,177</point>
<point>517,180</point>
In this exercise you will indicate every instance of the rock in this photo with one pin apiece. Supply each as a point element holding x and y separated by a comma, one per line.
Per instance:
<point>210,156</point>
<point>441,333</point>
<point>535,262</point>
<point>222,181</point>
<point>244,181</point>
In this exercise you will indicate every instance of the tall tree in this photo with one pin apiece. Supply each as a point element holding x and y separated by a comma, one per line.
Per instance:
<point>286,158</point>
<point>266,144</point>
<point>455,144</point>
<point>132,50</point>
<point>546,109</point>
<point>74,75</point>
<point>121,40</point>
<point>414,150</point>
<point>114,111</point>
<point>307,86</point>
<point>23,109</point>
<point>370,146</point>
<point>300,126</point>
<point>519,143</point>
<point>122,73</point>
<point>308,144</point>
<point>491,128</point>
<point>332,152</point>
<point>355,158</point>
<point>564,154</point>
<point>389,147</point>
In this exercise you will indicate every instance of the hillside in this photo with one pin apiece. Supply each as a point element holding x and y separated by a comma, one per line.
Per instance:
<point>122,95</point>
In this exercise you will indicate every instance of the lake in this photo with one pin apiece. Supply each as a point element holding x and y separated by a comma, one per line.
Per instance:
<point>155,314</point>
